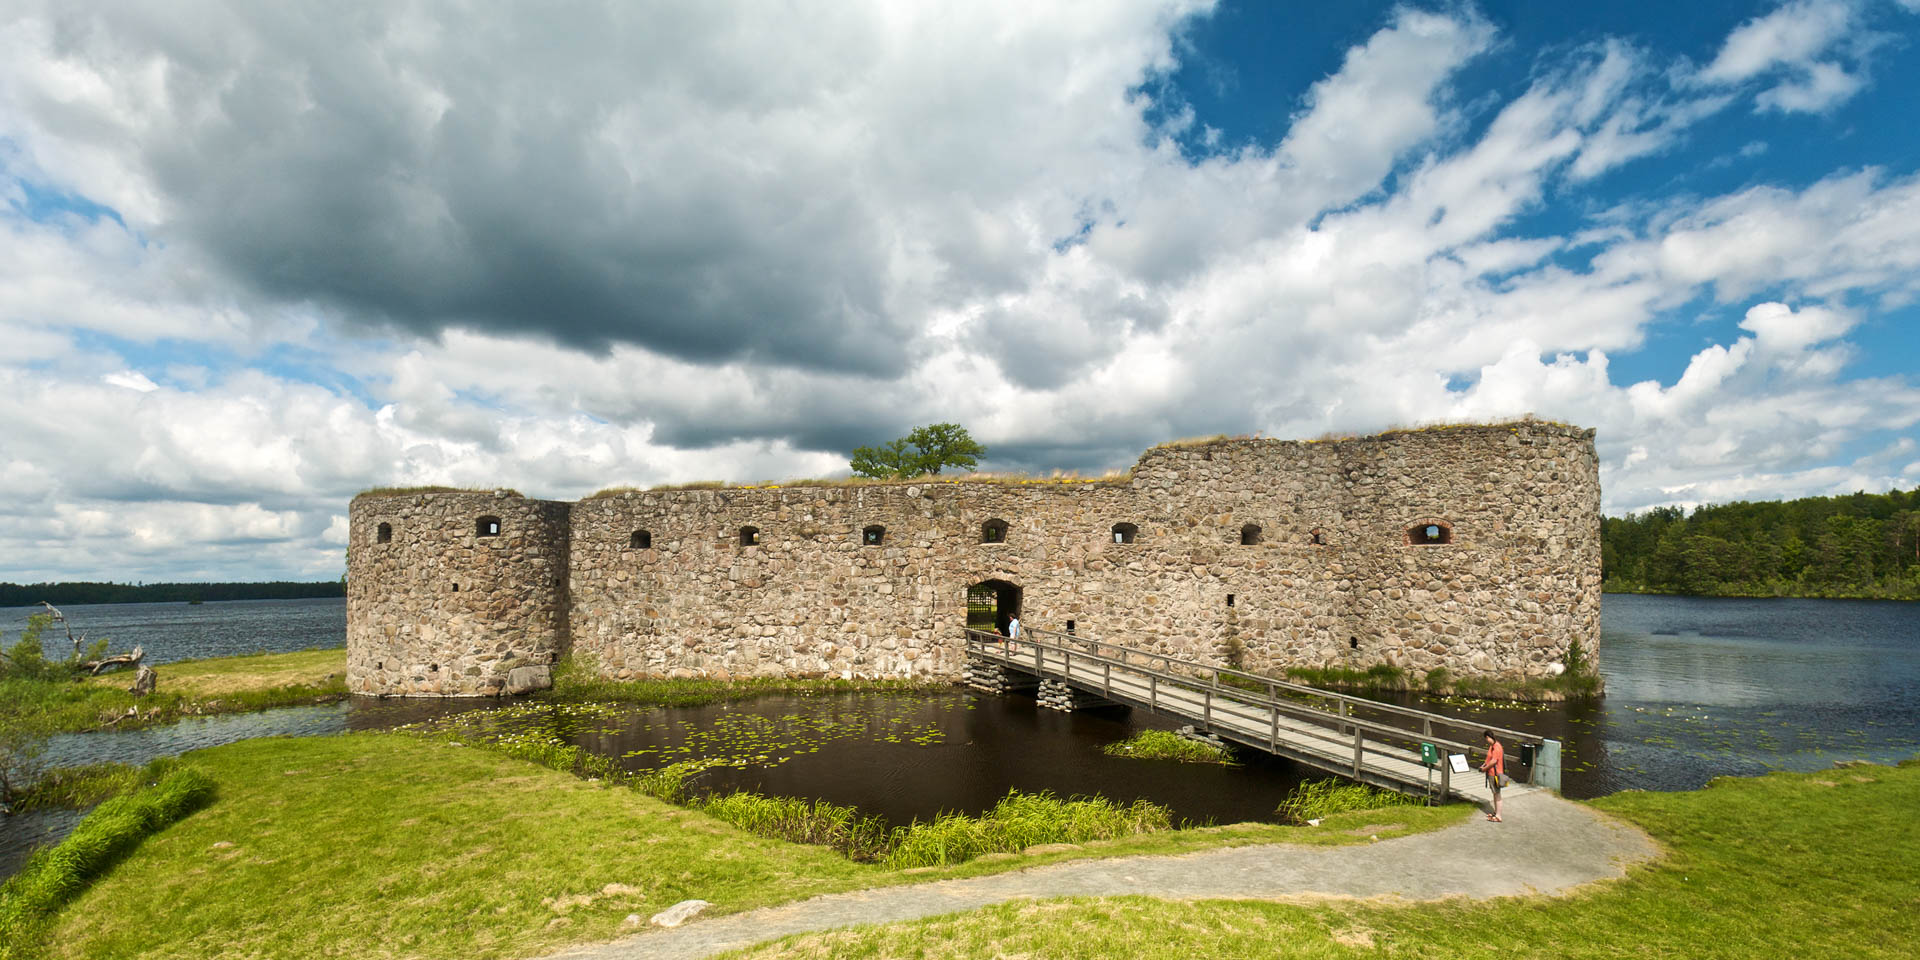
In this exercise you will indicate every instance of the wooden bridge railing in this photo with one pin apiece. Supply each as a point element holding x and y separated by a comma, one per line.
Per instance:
<point>1335,721</point>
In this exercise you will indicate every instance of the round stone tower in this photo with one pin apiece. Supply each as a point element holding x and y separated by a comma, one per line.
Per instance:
<point>454,593</point>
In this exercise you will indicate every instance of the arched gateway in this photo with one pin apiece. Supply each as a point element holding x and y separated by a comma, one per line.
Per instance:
<point>991,604</point>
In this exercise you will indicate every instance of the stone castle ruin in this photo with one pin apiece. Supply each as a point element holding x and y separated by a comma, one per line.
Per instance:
<point>1475,549</point>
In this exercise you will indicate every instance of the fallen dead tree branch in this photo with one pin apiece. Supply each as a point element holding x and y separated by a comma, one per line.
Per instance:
<point>93,667</point>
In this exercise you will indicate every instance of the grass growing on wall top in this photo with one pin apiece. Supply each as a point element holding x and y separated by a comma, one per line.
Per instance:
<point>411,491</point>
<point>1391,430</point>
<point>1057,477</point>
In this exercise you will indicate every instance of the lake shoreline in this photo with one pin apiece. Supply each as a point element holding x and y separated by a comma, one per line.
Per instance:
<point>1616,590</point>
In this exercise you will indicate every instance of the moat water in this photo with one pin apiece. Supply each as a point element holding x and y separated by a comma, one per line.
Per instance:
<point>1696,688</point>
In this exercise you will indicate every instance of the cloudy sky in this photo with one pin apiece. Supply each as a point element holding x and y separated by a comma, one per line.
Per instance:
<point>256,257</point>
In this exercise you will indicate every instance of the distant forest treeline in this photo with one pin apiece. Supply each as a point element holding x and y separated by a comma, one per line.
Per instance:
<point>1863,545</point>
<point>20,595</point>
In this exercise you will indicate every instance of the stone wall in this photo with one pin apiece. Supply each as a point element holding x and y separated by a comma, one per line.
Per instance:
<point>1331,578</point>
<point>439,609</point>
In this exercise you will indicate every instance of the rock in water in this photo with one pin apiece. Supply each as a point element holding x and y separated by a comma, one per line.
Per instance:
<point>528,679</point>
<point>144,681</point>
<point>679,913</point>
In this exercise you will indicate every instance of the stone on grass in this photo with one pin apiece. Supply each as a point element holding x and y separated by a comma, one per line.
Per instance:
<point>679,913</point>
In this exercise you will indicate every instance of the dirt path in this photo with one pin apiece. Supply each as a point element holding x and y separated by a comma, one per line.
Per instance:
<point>1547,845</point>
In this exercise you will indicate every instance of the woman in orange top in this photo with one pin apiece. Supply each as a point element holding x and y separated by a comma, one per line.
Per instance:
<point>1494,768</point>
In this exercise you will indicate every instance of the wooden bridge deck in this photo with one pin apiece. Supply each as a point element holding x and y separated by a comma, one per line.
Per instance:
<point>1364,740</point>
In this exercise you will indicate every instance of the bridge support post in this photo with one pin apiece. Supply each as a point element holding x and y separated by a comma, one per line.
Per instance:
<point>989,677</point>
<point>1546,766</point>
<point>1054,695</point>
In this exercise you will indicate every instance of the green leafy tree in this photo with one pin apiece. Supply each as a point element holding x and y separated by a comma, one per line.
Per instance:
<point>927,449</point>
<point>891,459</point>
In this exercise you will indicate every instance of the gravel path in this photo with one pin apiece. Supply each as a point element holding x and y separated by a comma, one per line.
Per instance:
<point>1547,845</point>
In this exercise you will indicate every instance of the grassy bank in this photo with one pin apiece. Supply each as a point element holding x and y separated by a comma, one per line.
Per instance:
<point>577,680</point>
<point>1579,680</point>
<point>397,845</point>
<point>1785,865</point>
<point>79,787</point>
<point>187,688</point>
<point>1315,800</point>
<point>1777,591</point>
<point>51,877</point>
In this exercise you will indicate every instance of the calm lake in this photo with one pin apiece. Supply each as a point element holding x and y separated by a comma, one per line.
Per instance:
<point>182,631</point>
<point>1696,688</point>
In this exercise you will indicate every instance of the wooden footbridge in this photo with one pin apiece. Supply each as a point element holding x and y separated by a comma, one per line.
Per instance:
<point>1372,742</point>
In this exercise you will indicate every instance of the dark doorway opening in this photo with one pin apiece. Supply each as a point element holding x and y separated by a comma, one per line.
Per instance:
<point>991,604</point>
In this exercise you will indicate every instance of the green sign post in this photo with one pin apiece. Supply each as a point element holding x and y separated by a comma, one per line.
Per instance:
<point>1429,756</point>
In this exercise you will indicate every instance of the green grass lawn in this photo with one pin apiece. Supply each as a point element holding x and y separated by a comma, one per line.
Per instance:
<point>1788,865</point>
<point>394,845</point>
<point>220,676</point>
<point>187,688</point>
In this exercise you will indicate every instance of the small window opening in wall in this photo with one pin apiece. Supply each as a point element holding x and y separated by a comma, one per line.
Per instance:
<point>385,533</point>
<point>1229,599</point>
<point>1353,643</point>
<point>1429,533</point>
<point>1319,538</point>
<point>749,536</point>
<point>641,540</point>
<point>874,535</point>
<point>1125,532</point>
<point>993,531</point>
<point>1249,534</point>
<point>486,527</point>
<point>456,588</point>
<point>1069,626</point>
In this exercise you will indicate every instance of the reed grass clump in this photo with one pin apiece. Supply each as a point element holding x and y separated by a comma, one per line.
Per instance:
<point>1021,820</point>
<point>57,874</point>
<point>83,785</point>
<point>1165,745</point>
<point>798,820</point>
<point>1316,799</point>
<point>1379,677</point>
